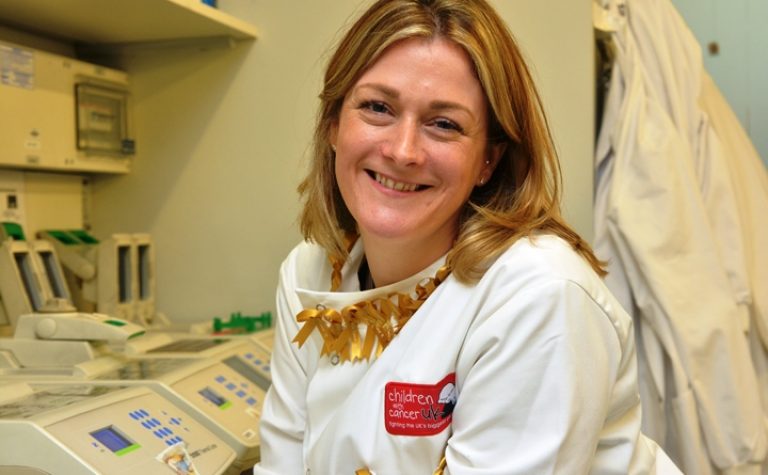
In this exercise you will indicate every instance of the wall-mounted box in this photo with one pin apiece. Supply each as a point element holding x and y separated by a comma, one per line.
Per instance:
<point>61,114</point>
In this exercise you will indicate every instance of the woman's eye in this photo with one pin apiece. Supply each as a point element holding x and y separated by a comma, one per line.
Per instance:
<point>375,106</point>
<point>446,124</point>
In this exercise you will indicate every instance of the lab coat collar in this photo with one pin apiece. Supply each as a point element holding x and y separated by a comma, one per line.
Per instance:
<point>349,291</point>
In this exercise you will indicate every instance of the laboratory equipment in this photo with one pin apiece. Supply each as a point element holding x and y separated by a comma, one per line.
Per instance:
<point>228,384</point>
<point>56,340</point>
<point>180,345</point>
<point>68,115</point>
<point>225,396</point>
<point>31,279</point>
<point>144,300</point>
<point>205,339</point>
<point>225,393</point>
<point>239,324</point>
<point>90,428</point>
<point>77,252</point>
<point>115,276</point>
<point>265,339</point>
<point>221,383</point>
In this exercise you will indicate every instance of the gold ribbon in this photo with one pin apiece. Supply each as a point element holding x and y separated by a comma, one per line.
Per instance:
<point>441,467</point>
<point>384,317</point>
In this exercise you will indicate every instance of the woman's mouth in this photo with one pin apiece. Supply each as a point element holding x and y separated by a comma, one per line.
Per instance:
<point>394,185</point>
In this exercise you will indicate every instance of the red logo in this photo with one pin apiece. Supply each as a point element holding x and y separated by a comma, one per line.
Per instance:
<point>419,409</point>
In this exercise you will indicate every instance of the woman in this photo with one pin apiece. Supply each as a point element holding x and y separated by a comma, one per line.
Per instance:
<point>441,315</point>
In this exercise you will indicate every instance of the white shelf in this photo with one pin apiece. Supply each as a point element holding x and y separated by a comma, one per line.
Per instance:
<point>105,22</point>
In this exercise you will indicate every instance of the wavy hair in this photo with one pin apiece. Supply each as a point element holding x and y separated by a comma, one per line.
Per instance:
<point>521,198</point>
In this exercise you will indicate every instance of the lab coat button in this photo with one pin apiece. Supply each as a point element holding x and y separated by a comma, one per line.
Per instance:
<point>335,359</point>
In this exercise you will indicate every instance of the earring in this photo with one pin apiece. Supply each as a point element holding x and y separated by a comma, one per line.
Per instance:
<point>482,181</point>
<point>333,147</point>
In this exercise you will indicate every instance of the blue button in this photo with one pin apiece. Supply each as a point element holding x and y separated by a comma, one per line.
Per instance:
<point>134,416</point>
<point>157,423</point>
<point>220,379</point>
<point>168,431</point>
<point>249,355</point>
<point>231,386</point>
<point>240,393</point>
<point>146,425</point>
<point>158,434</point>
<point>175,421</point>
<point>169,442</point>
<point>144,413</point>
<point>250,401</point>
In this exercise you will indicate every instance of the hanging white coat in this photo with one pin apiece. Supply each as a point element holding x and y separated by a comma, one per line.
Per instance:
<point>655,226</point>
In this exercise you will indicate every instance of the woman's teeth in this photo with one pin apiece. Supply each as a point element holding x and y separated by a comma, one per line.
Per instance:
<point>394,185</point>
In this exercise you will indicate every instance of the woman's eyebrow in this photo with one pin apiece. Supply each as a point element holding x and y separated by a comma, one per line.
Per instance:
<point>382,88</point>
<point>450,105</point>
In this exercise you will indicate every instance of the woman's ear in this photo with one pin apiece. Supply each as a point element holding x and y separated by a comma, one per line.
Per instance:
<point>333,134</point>
<point>494,154</point>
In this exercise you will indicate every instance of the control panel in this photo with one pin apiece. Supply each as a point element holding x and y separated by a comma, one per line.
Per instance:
<point>110,429</point>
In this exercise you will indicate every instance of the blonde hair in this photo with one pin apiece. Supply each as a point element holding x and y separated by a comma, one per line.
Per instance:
<point>522,196</point>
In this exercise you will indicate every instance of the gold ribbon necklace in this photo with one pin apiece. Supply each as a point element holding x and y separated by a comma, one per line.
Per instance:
<point>384,317</point>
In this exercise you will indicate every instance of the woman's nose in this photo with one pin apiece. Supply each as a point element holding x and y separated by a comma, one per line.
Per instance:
<point>404,144</point>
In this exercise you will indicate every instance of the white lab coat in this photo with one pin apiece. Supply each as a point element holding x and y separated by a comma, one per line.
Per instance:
<point>544,365</point>
<point>672,57</point>
<point>750,183</point>
<point>664,238</point>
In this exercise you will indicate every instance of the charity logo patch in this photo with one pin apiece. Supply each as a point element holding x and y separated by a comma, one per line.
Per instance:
<point>419,409</point>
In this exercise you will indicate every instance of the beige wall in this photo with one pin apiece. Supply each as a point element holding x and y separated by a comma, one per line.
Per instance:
<point>222,135</point>
<point>558,39</point>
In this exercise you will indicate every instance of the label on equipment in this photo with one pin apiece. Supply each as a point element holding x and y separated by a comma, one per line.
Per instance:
<point>17,67</point>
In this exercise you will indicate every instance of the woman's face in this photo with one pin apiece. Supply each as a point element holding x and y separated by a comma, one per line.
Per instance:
<point>411,143</point>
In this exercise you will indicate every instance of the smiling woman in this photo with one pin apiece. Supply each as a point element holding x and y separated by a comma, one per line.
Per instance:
<point>411,145</point>
<point>441,315</point>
